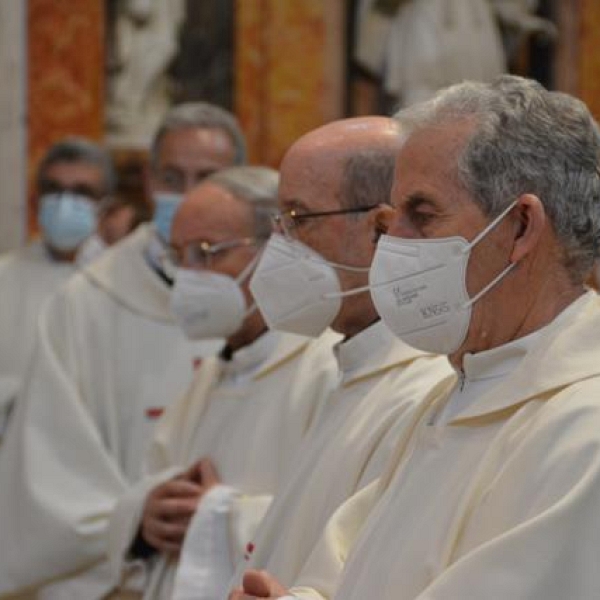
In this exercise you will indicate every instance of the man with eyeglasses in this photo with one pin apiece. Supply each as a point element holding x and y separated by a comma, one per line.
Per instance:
<point>311,276</point>
<point>75,178</point>
<point>494,232</point>
<point>109,359</point>
<point>237,431</point>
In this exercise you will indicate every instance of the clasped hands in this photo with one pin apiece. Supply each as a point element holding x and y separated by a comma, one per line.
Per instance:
<point>171,505</point>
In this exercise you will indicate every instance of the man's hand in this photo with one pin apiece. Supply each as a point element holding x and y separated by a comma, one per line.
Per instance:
<point>258,584</point>
<point>170,506</point>
<point>206,474</point>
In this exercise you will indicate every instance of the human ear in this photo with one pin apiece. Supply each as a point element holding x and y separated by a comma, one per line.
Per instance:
<point>529,219</point>
<point>380,219</point>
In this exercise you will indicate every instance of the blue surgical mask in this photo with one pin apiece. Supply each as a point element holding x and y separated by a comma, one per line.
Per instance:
<point>66,219</point>
<point>165,206</point>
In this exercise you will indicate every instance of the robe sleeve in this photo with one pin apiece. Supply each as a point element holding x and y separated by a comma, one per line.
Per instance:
<point>205,565</point>
<point>321,574</point>
<point>246,515</point>
<point>58,481</point>
<point>216,542</point>
<point>123,525</point>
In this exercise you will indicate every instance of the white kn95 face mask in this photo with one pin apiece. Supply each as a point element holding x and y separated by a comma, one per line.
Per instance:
<point>296,289</point>
<point>419,288</point>
<point>210,305</point>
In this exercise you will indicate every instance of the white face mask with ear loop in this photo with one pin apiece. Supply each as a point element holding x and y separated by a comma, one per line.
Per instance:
<point>297,290</point>
<point>210,305</point>
<point>419,288</point>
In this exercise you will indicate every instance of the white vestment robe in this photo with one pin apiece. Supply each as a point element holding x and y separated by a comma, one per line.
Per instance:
<point>248,416</point>
<point>382,381</point>
<point>27,278</point>
<point>495,498</point>
<point>108,359</point>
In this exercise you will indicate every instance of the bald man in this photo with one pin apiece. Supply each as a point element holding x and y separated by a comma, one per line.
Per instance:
<point>334,182</point>
<point>240,424</point>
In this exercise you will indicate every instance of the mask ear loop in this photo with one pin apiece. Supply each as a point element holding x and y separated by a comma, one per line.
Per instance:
<point>475,240</point>
<point>489,227</point>
<point>490,285</point>
<point>502,273</point>
<point>245,274</point>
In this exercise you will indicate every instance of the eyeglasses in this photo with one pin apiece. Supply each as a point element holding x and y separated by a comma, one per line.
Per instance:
<point>200,254</point>
<point>291,219</point>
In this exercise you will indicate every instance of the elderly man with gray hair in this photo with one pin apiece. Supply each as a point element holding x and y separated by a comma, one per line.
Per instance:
<point>495,492</point>
<point>247,411</point>
<point>109,358</point>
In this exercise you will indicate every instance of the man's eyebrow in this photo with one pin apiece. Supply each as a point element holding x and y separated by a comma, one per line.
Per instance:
<point>294,204</point>
<point>419,200</point>
<point>205,172</point>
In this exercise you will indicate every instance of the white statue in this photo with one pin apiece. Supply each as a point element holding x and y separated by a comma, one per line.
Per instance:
<point>146,40</point>
<point>420,46</point>
<point>519,21</point>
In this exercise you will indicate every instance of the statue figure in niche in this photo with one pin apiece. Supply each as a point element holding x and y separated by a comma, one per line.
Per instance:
<point>419,46</point>
<point>144,41</point>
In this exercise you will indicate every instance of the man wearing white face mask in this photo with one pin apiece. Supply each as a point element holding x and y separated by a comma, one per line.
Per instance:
<point>313,275</point>
<point>73,178</point>
<point>495,494</point>
<point>244,417</point>
<point>109,358</point>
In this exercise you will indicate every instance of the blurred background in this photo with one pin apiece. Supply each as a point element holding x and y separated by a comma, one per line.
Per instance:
<point>108,69</point>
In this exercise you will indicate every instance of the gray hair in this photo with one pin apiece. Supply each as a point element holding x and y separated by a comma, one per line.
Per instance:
<point>75,149</point>
<point>526,140</point>
<point>200,115</point>
<point>256,185</point>
<point>368,175</point>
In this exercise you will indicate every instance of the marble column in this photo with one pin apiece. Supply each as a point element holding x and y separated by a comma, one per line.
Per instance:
<point>577,67</point>
<point>589,46</point>
<point>66,74</point>
<point>12,123</point>
<point>289,65</point>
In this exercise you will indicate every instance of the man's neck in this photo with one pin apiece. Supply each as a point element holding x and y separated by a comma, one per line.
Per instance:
<point>540,310</point>
<point>253,327</point>
<point>357,321</point>
<point>60,255</point>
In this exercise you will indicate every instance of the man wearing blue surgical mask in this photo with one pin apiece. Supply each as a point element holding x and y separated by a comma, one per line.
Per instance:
<point>110,358</point>
<point>194,141</point>
<point>74,178</point>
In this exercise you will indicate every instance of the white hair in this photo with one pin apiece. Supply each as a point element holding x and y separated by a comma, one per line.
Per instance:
<point>256,185</point>
<point>526,140</point>
<point>201,115</point>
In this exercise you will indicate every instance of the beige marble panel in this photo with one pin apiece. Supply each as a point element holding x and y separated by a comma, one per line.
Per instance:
<point>65,89</point>
<point>13,158</point>
<point>589,79</point>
